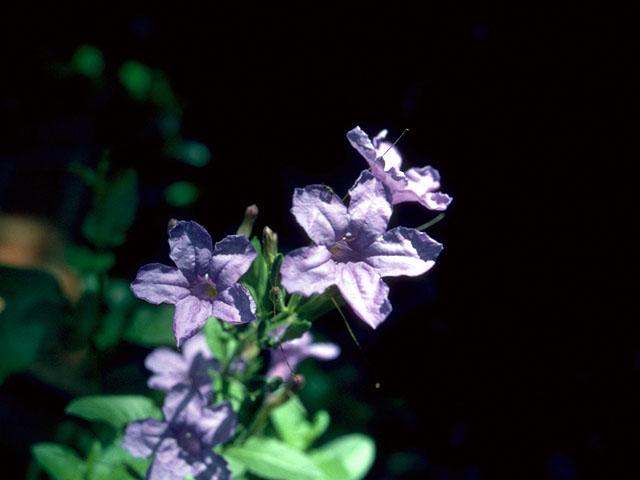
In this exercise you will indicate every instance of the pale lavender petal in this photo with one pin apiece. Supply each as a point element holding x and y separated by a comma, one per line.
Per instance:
<point>308,270</point>
<point>157,283</point>
<point>182,405</point>
<point>191,248</point>
<point>170,458</point>
<point>142,437</point>
<point>423,180</point>
<point>169,368</point>
<point>388,152</point>
<point>402,251</point>
<point>194,346</point>
<point>364,290</point>
<point>217,424</point>
<point>321,213</point>
<point>232,257</point>
<point>323,351</point>
<point>157,471</point>
<point>361,142</point>
<point>234,305</point>
<point>216,469</point>
<point>369,210</point>
<point>437,200</point>
<point>191,315</point>
<point>393,178</point>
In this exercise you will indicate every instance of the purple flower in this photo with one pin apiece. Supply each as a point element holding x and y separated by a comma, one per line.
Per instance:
<point>171,369</point>
<point>291,353</point>
<point>353,250</point>
<point>205,282</point>
<point>182,444</point>
<point>414,185</point>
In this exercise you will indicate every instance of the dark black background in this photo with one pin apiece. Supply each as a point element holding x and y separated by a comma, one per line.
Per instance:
<point>513,357</point>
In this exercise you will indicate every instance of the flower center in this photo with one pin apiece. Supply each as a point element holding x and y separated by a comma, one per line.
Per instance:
<point>342,251</point>
<point>189,442</point>
<point>205,288</point>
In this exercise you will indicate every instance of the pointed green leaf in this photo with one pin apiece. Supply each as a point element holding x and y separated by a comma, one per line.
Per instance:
<point>151,326</point>
<point>346,458</point>
<point>220,342</point>
<point>181,194</point>
<point>274,460</point>
<point>115,463</point>
<point>116,410</point>
<point>60,462</point>
<point>295,330</point>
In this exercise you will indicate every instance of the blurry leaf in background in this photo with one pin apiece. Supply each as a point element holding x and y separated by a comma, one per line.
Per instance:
<point>85,260</point>
<point>136,78</point>
<point>114,211</point>
<point>194,153</point>
<point>291,424</point>
<point>88,60</point>
<point>181,194</point>
<point>120,301</point>
<point>272,459</point>
<point>30,319</point>
<point>151,326</point>
<point>346,458</point>
<point>61,462</point>
<point>115,463</point>
<point>116,410</point>
<point>220,342</point>
<point>161,93</point>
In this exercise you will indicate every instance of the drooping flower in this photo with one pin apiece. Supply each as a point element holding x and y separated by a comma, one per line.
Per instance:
<point>204,284</point>
<point>353,250</point>
<point>191,368</point>
<point>285,358</point>
<point>415,185</point>
<point>181,445</point>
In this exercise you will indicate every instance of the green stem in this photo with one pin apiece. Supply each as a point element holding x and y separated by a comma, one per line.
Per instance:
<point>430,223</point>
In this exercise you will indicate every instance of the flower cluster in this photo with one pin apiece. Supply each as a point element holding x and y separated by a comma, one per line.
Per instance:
<point>352,251</point>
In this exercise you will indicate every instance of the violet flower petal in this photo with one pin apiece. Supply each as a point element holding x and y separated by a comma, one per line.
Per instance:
<point>323,350</point>
<point>182,404</point>
<point>308,270</point>
<point>142,437</point>
<point>156,283</point>
<point>234,305</point>
<point>402,251</point>
<point>169,368</point>
<point>361,142</point>
<point>232,257</point>
<point>387,151</point>
<point>369,210</point>
<point>320,213</point>
<point>217,424</point>
<point>191,247</point>
<point>191,315</point>
<point>157,471</point>
<point>364,290</point>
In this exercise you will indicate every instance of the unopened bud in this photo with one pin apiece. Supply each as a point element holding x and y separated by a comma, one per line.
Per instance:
<point>296,383</point>
<point>250,215</point>
<point>274,294</point>
<point>269,244</point>
<point>172,223</point>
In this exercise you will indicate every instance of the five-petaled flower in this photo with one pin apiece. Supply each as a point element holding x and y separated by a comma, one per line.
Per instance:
<point>285,358</point>
<point>191,368</point>
<point>414,185</point>
<point>353,250</point>
<point>204,284</point>
<point>182,444</point>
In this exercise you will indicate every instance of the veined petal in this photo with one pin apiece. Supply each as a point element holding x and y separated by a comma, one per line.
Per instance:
<point>182,405</point>
<point>387,151</point>
<point>369,210</point>
<point>402,251</point>
<point>321,213</point>
<point>194,346</point>
<point>156,283</point>
<point>361,142</point>
<point>191,248</point>
<point>323,351</point>
<point>364,290</point>
<point>421,187</point>
<point>437,200</point>
<point>191,315</point>
<point>232,257</point>
<point>308,270</point>
<point>423,180</point>
<point>234,305</point>
<point>217,424</point>
<point>142,437</point>
<point>158,471</point>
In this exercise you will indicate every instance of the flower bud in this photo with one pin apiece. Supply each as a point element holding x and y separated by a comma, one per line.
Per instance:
<point>172,223</point>
<point>269,244</point>
<point>250,215</point>
<point>296,383</point>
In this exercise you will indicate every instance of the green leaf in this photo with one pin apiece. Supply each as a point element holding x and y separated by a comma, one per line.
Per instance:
<point>120,300</point>
<point>194,153</point>
<point>220,343</point>
<point>181,194</point>
<point>291,424</point>
<point>87,60</point>
<point>137,78</point>
<point>295,330</point>
<point>60,462</point>
<point>113,212</point>
<point>151,326</point>
<point>116,410</point>
<point>256,278</point>
<point>274,460</point>
<point>115,463</point>
<point>346,458</point>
